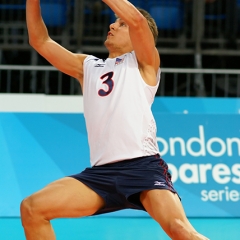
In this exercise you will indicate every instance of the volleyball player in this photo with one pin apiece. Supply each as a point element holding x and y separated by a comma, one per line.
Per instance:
<point>127,170</point>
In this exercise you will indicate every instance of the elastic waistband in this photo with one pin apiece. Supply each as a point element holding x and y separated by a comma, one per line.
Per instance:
<point>129,161</point>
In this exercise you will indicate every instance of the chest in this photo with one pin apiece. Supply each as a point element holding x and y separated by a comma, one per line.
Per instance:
<point>111,75</point>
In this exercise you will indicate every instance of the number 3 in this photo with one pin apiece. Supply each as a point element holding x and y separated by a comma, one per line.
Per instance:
<point>109,82</point>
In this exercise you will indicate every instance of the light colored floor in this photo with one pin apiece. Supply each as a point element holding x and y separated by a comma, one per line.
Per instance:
<point>122,228</point>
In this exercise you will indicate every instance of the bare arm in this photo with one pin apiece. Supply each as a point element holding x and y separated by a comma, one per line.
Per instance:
<point>61,58</point>
<point>141,38</point>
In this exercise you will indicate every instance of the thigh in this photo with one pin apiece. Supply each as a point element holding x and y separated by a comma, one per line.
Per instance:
<point>165,207</point>
<point>66,197</point>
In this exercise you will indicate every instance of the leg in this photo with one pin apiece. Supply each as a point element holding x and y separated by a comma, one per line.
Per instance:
<point>66,197</point>
<point>166,208</point>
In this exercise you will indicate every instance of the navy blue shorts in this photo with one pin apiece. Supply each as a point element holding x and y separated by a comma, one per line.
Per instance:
<point>121,183</point>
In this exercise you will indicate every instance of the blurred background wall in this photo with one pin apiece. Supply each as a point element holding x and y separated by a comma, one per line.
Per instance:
<point>199,40</point>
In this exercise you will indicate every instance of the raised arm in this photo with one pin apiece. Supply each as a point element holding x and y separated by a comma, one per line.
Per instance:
<point>39,39</point>
<point>141,37</point>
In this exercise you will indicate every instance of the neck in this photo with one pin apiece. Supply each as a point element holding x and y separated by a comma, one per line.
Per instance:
<point>115,51</point>
<point>114,55</point>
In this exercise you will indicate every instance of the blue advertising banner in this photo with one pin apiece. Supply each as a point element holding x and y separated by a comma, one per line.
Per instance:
<point>203,153</point>
<point>202,150</point>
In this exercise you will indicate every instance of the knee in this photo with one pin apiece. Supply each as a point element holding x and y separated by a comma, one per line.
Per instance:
<point>28,210</point>
<point>182,230</point>
<point>179,230</point>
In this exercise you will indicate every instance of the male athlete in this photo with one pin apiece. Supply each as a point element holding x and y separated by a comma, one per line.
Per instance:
<point>127,170</point>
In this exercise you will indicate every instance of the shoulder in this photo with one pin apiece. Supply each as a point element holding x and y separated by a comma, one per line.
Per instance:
<point>84,58</point>
<point>90,58</point>
<point>81,57</point>
<point>131,56</point>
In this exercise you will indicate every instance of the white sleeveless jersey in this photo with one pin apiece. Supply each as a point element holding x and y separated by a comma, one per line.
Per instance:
<point>117,110</point>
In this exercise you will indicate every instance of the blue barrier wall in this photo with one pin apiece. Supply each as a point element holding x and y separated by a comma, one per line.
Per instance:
<point>199,138</point>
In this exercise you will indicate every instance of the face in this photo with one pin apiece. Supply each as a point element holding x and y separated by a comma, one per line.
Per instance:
<point>118,36</point>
